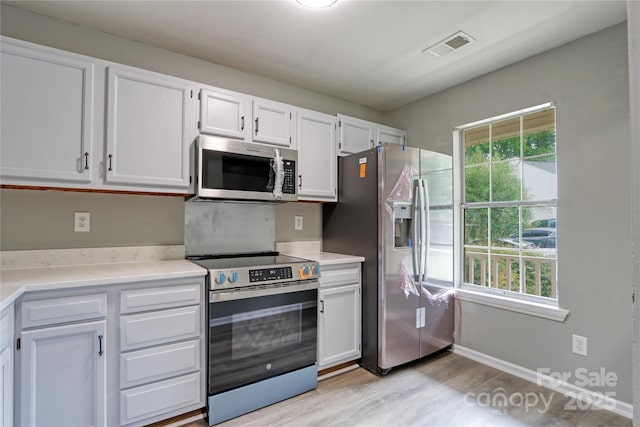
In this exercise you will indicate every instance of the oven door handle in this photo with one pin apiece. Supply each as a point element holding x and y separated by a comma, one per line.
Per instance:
<point>261,291</point>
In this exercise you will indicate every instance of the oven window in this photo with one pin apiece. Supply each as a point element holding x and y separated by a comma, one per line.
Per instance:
<point>266,330</point>
<point>256,338</point>
<point>227,171</point>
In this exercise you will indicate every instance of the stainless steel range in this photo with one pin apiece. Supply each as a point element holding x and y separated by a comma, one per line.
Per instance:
<point>262,331</point>
<point>262,311</point>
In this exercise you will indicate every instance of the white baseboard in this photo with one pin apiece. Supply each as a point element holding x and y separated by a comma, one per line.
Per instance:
<point>584,395</point>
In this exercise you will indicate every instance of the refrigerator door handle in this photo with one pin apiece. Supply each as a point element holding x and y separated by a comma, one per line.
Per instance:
<point>425,224</point>
<point>416,232</point>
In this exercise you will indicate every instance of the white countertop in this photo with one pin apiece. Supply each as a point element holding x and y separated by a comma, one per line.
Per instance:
<point>16,281</point>
<point>327,258</point>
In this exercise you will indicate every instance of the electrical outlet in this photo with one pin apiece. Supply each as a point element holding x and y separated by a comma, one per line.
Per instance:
<point>298,222</point>
<point>580,345</point>
<point>82,221</point>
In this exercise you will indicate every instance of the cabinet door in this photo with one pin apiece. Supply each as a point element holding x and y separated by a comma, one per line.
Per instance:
<point>47,116</point>
<point>355,135</point>
<point>338,325</point>
<point>390,135</point>
<point>272,123</point>
<point>6,386</point>
<point>223,113</point>
<point>148,130</point>
<point>62,376</point>
<point>316,156</point>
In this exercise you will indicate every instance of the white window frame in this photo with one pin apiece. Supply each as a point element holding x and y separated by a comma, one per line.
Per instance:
<point>519,302</point>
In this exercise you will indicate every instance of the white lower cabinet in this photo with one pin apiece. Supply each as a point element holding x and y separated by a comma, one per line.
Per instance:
<point>6,366</point>
<point>162,354</point>
<point>128,354</point>
<point>339,306</point>
<point>63,375</point>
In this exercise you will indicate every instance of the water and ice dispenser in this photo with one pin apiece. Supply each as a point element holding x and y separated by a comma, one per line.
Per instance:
<point>402,225</point>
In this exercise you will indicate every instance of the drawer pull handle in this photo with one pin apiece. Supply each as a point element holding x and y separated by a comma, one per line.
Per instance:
<point>100,352</point>
<point>110,162</point>
<point>242,123</point>
<point>257,125</point>
<point>321,306</point>
<point>86,161</point>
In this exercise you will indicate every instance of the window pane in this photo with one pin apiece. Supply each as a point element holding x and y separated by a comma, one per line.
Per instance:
<point>505,225</point>
<point>505,136</point>
<point>539,174</point>
<point>476,269</point>
<point>476,183</point>
<point>476,231</point>
<point>505,181</point>
<point>505,269</point>
<point>476,145</point>
<point>539,133</point>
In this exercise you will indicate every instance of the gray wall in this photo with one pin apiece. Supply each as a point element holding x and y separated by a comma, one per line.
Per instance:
<point>588,81</point>
<point>39,220</point>
<point>633,18</point>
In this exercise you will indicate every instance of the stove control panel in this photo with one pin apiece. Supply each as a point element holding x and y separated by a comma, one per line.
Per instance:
<point>268,274</point>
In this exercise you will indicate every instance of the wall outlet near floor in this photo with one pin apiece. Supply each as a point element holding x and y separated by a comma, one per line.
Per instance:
<point>82,221</point>
<point>580,345</point>
<point>298,222</point>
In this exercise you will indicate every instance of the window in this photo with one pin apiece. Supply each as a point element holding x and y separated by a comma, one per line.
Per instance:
<point>508,204</point>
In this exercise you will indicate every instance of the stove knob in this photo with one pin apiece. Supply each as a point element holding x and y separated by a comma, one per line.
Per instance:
<point>306,270</point>
<point>221,278</point>
<point>316,269</point>
<point>233,277</point>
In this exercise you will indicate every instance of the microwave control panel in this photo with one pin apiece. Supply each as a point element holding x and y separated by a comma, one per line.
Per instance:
<point>289,182</point>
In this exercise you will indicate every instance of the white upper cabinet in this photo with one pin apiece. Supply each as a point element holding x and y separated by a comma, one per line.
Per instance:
<point>272,123</point>
<point>224,113</point>
<point>316,156</point>
<point>148,129</point>
<point>390,135</point>
<point>355,135</point>
<point>47,116</point>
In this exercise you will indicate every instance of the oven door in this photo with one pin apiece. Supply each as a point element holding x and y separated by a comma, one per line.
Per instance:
<point>254,338</point>
<point>246,171</point>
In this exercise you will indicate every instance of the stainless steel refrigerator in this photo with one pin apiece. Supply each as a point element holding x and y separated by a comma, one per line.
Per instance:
<point>395,209</point>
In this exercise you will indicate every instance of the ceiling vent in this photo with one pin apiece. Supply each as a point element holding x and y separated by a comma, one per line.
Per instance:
<point>451,43</point>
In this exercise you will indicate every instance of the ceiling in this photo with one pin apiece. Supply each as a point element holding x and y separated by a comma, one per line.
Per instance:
<point>366,52</point>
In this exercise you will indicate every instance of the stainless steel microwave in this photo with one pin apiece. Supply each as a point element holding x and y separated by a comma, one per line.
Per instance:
<point>237,170</point>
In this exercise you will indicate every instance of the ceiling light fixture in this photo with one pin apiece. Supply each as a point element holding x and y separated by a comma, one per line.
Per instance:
<point>316,3</point>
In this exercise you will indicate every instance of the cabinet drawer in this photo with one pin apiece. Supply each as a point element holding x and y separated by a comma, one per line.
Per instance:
<point>342,276</point>
<point>159,327</point>
<point>159,398</point>
<point>159,363</point>
<point>157,298</point>
<point>61,310</point>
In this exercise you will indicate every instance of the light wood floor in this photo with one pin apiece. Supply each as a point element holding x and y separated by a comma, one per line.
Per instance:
<point>445,390</point>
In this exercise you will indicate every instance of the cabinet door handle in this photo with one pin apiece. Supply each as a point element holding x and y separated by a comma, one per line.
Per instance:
<point>256,125</point>
<point>300,181</point>
<point>321,306</point>
<point>100,352</point>
<point>110,162</point>
<point>242,123</point>
<point>86,160</point>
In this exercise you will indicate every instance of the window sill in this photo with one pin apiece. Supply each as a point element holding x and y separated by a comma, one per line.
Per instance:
<point>546,311</point>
